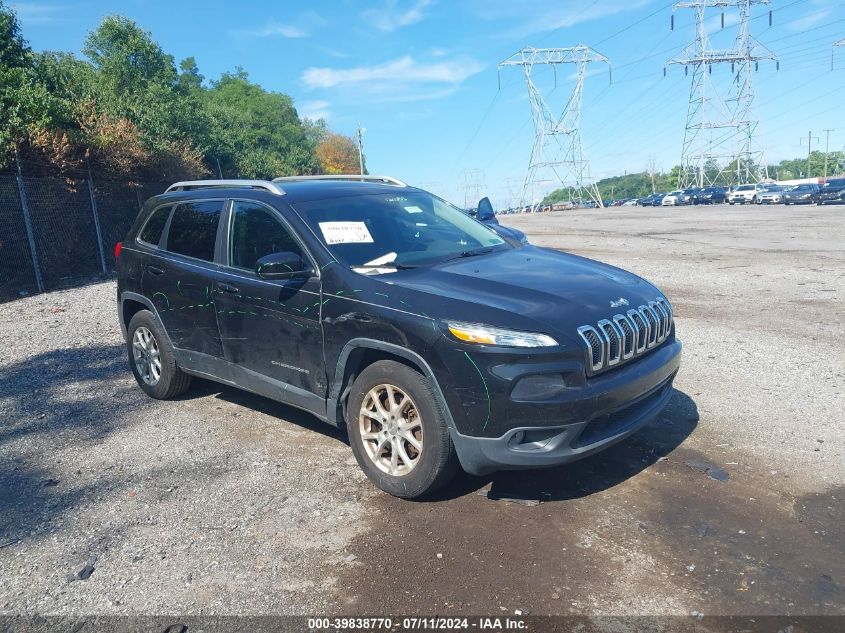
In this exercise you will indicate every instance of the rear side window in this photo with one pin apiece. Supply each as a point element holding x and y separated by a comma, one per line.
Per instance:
<point>151,233</point>
<point>193,229</point>
<point>256,232</point>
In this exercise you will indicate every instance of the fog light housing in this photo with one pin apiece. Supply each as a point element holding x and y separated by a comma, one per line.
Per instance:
<point>539,388</point>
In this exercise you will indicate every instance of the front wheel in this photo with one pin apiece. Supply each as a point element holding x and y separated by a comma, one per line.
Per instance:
<point>398,432</point>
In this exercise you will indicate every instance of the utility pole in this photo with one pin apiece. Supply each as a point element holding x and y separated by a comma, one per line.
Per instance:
<point>836,45</point>
<point>810,138</point>
<point>719,129</point>
<point>361,131</point>
<point>826,149</point>
<point>557,157</point>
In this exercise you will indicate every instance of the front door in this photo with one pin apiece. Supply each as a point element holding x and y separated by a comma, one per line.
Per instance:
<point>271,328</point>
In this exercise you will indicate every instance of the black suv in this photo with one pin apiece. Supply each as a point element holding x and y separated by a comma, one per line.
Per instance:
<point>833,191</point>
<point>383,309</point>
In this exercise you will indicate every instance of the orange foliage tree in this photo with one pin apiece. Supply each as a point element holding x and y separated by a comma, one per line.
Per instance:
<point>337,154</point>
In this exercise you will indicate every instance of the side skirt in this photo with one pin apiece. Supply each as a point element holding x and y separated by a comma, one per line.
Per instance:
<point>222,371</point>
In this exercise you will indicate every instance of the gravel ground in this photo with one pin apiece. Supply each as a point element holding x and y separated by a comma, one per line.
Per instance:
<point>222,502</point>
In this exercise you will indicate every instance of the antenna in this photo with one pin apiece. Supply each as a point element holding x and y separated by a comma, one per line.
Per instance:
<point>557,157</point>
<point>719,131</point>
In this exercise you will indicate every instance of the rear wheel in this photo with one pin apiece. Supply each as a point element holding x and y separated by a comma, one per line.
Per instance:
<point>152,359</point>
<point>398,432</point>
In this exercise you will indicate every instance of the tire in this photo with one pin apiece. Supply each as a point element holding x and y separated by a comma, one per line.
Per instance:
<point>428,468</point>
<point>171,380</point>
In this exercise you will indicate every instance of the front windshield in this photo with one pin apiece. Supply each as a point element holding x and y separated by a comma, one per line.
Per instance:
<point>410,228</point>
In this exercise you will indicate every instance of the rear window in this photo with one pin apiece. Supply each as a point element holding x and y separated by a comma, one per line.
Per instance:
<point>151,233</point>
<point>193,229</point>
<point>746,187</point>
<point>839,182</point>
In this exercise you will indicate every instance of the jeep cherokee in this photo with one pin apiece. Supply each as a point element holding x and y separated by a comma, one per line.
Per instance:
<point>383,309</point>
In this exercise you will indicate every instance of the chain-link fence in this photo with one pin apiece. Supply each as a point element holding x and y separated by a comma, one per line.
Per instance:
<point>57,231</point>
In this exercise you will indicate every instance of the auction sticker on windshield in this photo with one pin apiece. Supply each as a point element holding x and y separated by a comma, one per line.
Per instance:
<point>346,233</point>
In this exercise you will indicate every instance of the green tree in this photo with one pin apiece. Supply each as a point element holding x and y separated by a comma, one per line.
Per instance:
<point>256,133</point>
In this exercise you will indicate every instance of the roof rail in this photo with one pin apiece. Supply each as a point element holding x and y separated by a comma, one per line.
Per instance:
<point>389,180</point>
<point>212,184</point>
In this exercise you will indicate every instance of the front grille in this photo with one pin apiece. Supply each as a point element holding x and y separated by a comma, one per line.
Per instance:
<point>626,336</point>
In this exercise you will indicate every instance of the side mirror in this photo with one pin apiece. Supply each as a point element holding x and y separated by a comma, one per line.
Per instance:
<point>280,266</point>
<point>485,210</point>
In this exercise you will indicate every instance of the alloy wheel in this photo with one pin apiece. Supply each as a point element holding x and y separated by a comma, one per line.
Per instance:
<point>391,429</point>
<point>147,356</point>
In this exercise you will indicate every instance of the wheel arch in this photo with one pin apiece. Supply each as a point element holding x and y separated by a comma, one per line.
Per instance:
<point>130,304</point>
<point>356,356</point>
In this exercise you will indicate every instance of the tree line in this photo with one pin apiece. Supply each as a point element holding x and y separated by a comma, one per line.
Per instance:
<point>129,109</point>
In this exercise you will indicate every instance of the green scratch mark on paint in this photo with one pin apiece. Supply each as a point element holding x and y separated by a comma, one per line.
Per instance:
<point>486,390</point>
<point>327,265</point>
<point>165,298</point>
<point>383,295</point>
<point>339,292</point>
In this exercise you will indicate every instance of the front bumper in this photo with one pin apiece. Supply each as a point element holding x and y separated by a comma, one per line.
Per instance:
<point>610,408</point>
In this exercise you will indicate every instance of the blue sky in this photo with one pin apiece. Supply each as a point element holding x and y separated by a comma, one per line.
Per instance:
<point>421,77</point>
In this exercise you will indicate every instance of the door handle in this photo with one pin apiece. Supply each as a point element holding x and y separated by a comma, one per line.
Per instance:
<point>155,270</point>
<point>228,288</point>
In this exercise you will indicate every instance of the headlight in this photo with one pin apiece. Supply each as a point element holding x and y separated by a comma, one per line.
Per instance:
<point>486,335</point>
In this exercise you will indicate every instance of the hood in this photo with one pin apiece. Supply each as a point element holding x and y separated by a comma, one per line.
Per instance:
<point>538,287</point>
<point>509,232</point>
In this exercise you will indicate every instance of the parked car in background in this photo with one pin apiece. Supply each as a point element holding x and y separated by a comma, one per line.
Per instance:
<point>711,195</point>
<point>692,194</point>
<point>676,198</point>
<point>801,194</point>
<point>384,310</point>
<point>832,192</point>
<point>771,194</point>
<point>654,200</point>
<point>744,194</point>
<point>630,203</point>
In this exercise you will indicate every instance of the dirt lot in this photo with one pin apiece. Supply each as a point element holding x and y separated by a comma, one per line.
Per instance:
<point>222,502</point>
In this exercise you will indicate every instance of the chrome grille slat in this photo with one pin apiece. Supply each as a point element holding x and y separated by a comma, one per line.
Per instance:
<point>628,343</point>
<point>625,336</point>
<point>612,341</point>
<point>595,346</point>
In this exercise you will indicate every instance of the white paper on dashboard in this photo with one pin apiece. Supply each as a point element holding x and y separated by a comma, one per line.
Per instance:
<point>346,233</point>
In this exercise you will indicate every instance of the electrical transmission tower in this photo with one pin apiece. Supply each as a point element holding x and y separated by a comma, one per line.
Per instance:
<point>720,130</point>
<point>472,185</point>
<point>557,158</point>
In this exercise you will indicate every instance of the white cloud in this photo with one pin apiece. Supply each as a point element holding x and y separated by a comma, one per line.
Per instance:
<point>539,16</point>
<point>391,17</point>
<point>38,13</point>
<point>399,72</point>
<point>809,20</point>
<point>272,29</point>
<point>314,110</point>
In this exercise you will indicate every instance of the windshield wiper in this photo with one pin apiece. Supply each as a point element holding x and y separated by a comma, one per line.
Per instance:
<point>471,253</point>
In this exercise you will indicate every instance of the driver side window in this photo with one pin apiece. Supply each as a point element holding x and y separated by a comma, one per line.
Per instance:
<point>255,233</point>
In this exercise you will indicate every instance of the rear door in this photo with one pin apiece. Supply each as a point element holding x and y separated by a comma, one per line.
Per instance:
<point>271,328</point>
<point>179,276</point>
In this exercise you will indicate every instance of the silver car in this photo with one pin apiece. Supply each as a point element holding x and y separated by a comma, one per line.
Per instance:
<point>772,194</point>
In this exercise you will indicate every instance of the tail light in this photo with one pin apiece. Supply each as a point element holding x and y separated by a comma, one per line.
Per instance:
<point>117,248</point>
